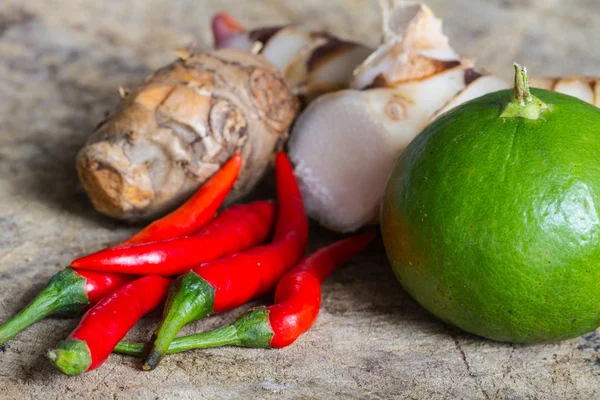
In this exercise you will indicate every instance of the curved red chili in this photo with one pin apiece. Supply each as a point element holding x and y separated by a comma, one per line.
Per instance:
<point>253,273</point>
<point>105,324</point>
<point>67,292</point>
<point>232,281</point>
<point>235,229</point>
<point>298,294</point>
<point>196,212</point>
<point>297,303</point>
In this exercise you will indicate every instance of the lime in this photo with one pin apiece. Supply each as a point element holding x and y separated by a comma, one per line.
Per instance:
<point>490,217</point>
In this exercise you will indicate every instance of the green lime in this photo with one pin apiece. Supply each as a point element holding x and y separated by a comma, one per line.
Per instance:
<point>490,217</point>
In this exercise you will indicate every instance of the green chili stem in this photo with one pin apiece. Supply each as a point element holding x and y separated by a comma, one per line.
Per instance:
<point>65,292</point>
<point>223,336</point>
<point>190,299</point>
<point>251,330</point>
<point>71,356</point>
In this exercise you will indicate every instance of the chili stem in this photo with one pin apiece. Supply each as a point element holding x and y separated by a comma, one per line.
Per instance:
<point>251,330</point>
<point>71,357</point>
<point>223,336</point>
<point>190,298</point>
<point>64,293</point>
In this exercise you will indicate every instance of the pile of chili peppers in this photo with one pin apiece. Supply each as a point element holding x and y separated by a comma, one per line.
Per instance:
<point>200,264</point>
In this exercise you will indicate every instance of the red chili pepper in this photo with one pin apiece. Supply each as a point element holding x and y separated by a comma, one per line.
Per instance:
<point>298,294</point>
<point>70,291</point>
<point>297,303</point>
<point>98,284</point>
<point>196,211</point>
<point>67,292</point>
<point>105,324</point>
<point>237,228</point>
<point>232,281</point>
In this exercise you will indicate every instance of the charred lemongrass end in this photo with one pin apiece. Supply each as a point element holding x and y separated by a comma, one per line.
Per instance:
<point>72,357</point>
<point>64,293</point>
<point>190,298</point>
<point>523,104</point>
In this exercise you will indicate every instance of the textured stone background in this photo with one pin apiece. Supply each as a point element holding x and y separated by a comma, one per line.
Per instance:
<point>60,65</point>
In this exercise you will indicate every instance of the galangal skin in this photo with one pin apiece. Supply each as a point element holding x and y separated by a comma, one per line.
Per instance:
<point>173,132</point>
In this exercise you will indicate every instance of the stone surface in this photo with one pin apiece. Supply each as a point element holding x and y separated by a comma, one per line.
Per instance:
<point>60,65</point>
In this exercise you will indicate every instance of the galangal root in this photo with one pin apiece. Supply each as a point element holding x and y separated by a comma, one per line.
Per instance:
<point>173,132</point>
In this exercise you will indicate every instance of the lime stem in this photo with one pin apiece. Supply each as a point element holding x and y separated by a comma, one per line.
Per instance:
<point>522,95</point>
<point>523,104</point>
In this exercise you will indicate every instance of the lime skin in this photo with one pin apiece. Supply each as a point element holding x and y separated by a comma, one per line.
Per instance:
<point>492,223</point>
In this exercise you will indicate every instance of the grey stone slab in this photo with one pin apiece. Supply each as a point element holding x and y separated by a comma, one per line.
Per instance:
<point>60,65</point>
